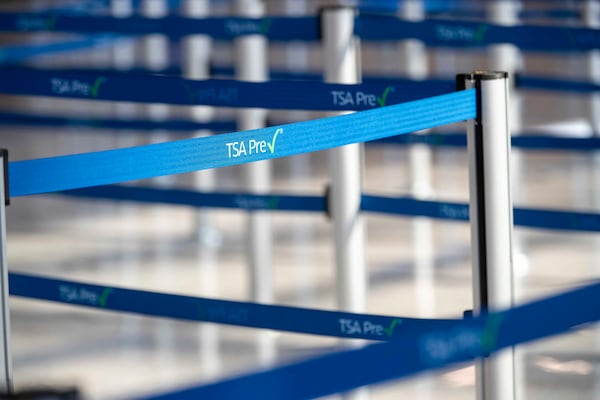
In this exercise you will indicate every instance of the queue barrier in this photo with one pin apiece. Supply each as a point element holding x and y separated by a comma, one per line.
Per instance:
<point>418,351</point>
<point>521,140</point>
<point>404,206</point>
<point>57,173</point>
<point>11,118</point>
<point>237,313</point>
<point>215,92</point>
<point>120,165</point>
<point>482,37</point>
<point>368,27</point>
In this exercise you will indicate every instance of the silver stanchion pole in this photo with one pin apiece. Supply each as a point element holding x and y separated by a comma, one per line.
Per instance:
<point>488,142</point>
<point>6,381</point>
<point>340,55</point>
<point>196,50</point>
<point>341,66</point>
<point>591,15</point>
<point>414,65</point>
<point>507,57</point>
<point>251,65</point>
<point>195,63</point>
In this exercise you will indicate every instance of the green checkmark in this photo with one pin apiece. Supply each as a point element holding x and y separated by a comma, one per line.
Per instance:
<point>96,86</point>
<point>265,25</point>
<point>383,99</point>
<point>271,145</point>
<point>390,330</point>
<point>104,297</point>
<point>273,202</point>
<point>51,22</point>
<point>489,337</point>
<point>480,32</point>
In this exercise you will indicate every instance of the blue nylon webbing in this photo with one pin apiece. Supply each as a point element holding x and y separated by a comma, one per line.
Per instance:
<point>368,27</point>
<point>222,28</point>
<point>112,166</point>
<point>555,84</point>
<point>406,206</point>
<point>215,92</point>
<point>525,217</point>
<point>253,315</point>
<point>16,53</point>
<point>244,201</point>
<point>172,125</point>
<point>413,353</point>
<point>474,34</point>
<point>524,140</point>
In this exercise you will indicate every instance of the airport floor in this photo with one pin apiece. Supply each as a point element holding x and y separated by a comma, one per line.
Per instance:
<point>202,253</point>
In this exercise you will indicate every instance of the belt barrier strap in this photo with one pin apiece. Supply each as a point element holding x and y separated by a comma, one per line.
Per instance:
<point>415,352</point>
<point>215,92</point>
<point>113,166</point>
<point>253,315</point>
<point>227,28</point>
<point>452,33</point>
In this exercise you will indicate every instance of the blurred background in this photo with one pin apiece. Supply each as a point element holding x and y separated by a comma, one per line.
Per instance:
<point>416,267</point>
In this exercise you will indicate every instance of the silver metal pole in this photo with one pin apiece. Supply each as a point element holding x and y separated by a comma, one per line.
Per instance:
<point>341,66</point>
<point>591,15</point>
<point>488,142</point>
<point>507,57</point>
<point>196,51</point>
<point>251,65</point>
<point>341,59</point>
<point>414,65</point>
<point>592,20</point>
<point>6,376</point>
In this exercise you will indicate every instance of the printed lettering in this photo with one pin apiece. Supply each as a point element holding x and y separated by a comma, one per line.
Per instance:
<point>253,147</point>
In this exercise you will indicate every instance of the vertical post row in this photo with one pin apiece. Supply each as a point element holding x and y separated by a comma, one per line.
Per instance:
<point>196,65</point>
<point>341,58</point>
<point>414,65</point>
<point>341,66</point>
<point>251,65</point>
<point>488,142</point>
<point>507,57</point>
<point>5,356</point>
<point>195,53</point>
<point>591,15</point>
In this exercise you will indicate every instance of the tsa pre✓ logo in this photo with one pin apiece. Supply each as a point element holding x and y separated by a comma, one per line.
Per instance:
<point>358,98</point>
<point>253,147</point>
<point>75,87</point>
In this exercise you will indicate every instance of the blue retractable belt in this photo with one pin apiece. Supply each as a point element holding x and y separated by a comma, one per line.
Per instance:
<point>215,92</point>
<point>415,352</point>
<point>452,33</point>
<point>253,315</point>
<point>405,206</point>
<point>121,165</point>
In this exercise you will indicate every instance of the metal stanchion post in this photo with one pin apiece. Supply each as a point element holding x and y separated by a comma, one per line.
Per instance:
<point>251,65</point>
<point>340,54</point>
<point>196,51</point>
<point>156,58</point>
<point>591,15</point>
<point>341,66</point>
<point>196,65</point>
<point>488,141</point>
<point>6,381</point>
<point>414,65</point>
<point>507,57</point>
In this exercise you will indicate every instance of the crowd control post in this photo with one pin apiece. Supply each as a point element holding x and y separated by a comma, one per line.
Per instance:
<point>250,53</point>
<point>488,143</point>
<point>6,359</point>
<point>340,55</point>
